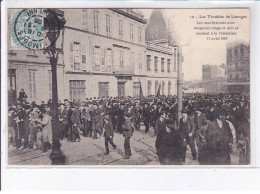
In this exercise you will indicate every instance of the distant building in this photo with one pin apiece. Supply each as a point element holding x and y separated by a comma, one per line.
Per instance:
<point>214,78</point>
<point>238,67</point>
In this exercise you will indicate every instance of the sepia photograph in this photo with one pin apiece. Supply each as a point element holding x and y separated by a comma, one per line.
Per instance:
<point>128,87</point>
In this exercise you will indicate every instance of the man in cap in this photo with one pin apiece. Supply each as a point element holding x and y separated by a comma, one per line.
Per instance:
<point>187,130</point>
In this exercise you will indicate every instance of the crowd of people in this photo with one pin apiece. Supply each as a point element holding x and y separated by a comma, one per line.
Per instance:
<point>211,125</point>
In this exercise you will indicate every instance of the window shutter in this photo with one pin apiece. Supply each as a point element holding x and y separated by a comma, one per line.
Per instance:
<point>71,61</point>
<point>83,56</point>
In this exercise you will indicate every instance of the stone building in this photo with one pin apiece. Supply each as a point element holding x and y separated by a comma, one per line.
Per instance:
<point>106,53</point>
<point>161,58</point>
<point>238,67</point>
<point>214,78</point>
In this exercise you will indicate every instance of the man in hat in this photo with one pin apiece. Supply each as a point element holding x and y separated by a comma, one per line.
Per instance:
<point>200,123</point>
<point>22,96</point>
<point>108,133</point>
<point>146,116</point>
<point>75,120</point>
<point>219,141</point>
<point>169,144</point>
<point>187,130</point>
<point>127,134</point>
<point>97,120</point>
<point>64,122</point>
<point>34,119</point>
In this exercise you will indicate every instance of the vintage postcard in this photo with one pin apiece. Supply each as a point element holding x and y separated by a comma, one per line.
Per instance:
<point>128,86</point>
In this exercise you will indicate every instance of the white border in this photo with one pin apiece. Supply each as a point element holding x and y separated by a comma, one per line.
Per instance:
<point>13,178</point>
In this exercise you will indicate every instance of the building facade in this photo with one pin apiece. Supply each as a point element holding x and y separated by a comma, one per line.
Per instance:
<point>238,67</point>
<point>214,78</point>
<point>105,54</point>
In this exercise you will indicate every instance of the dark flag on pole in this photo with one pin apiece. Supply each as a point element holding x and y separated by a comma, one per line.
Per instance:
<point>141,95</point>
<point>159,89</point>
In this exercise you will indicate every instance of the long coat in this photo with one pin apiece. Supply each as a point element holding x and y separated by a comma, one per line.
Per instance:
<point>216,151</point>
<point>169,144</point>
<point>46,129</point>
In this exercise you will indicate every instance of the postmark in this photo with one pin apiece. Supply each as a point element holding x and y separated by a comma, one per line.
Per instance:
<point>27,28</point>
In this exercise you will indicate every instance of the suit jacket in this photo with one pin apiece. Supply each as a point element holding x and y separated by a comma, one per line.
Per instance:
<point>200,121</point>
<point>75,117</point>
<point>127,128</point>
<point>187,127</point>
<point>217,138</point>
<point>108,129</point>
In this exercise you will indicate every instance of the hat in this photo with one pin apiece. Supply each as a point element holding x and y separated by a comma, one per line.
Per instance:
<point>73,105</point>
<point>184,110</point>
<point>221,111</point>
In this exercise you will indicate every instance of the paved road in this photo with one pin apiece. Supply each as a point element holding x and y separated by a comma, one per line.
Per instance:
<point>91,152</point>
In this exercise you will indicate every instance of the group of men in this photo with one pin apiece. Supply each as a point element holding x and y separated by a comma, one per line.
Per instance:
<point>210,124</point>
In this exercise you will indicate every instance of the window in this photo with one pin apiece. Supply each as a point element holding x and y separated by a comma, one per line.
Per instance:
<point>32,84</point>
<point>120,29</point>
<point>83,54</point>
<point>77,90</point>
<point>136,87</point>
<point>242,50</point>
<point>108,25</point>
<point>230,53</point>
<point>50,84</point>
<point>140,62</point>
<point>169,65</point>
<point>96,58</point>
<point>139,34</point>
<point>108,60</point>
<point>156,85</point>
<point>103,88</point>
<point>121,58</point>
<point>132,57</point>
<point>163,88</point>
<point>96,25</point>
<point>75,56</point>
<point>148,61</point>
<point>162,64</point>
<point>169,88</point>
<point>131,32</point>
<point>149,88</point>
<point>236,65</point>
<point>84,19</point>
<point>175,59</point>
<point>156,64</point>
<point>236,52</point>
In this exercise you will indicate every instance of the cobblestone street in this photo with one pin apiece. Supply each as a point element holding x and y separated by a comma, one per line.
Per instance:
<point>91,152</point>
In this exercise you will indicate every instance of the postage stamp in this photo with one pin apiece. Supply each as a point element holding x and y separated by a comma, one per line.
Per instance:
<point>26,29</point>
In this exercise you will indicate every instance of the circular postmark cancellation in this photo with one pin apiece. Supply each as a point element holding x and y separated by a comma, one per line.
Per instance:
<point>29,27</point>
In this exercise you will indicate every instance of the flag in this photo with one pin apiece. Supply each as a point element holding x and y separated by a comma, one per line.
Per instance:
<point>141,95</point>
<point>159,89</point>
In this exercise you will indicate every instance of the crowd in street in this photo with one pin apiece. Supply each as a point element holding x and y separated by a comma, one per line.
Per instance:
<point>211,124</point>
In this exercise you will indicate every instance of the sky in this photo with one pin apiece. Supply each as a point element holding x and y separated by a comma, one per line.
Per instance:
<point>197,50</point>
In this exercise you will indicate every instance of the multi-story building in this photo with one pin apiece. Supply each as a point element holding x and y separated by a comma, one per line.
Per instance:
<point>161,58</point>
<point>214,78</point>
<point>106,53</point>
<point>238,67</point>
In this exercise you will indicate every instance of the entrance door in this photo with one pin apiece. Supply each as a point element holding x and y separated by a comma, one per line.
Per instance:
<point>121,89</point>
<point>11,86</point>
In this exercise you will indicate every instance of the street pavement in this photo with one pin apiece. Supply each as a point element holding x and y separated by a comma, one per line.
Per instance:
<point>91,152</point>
